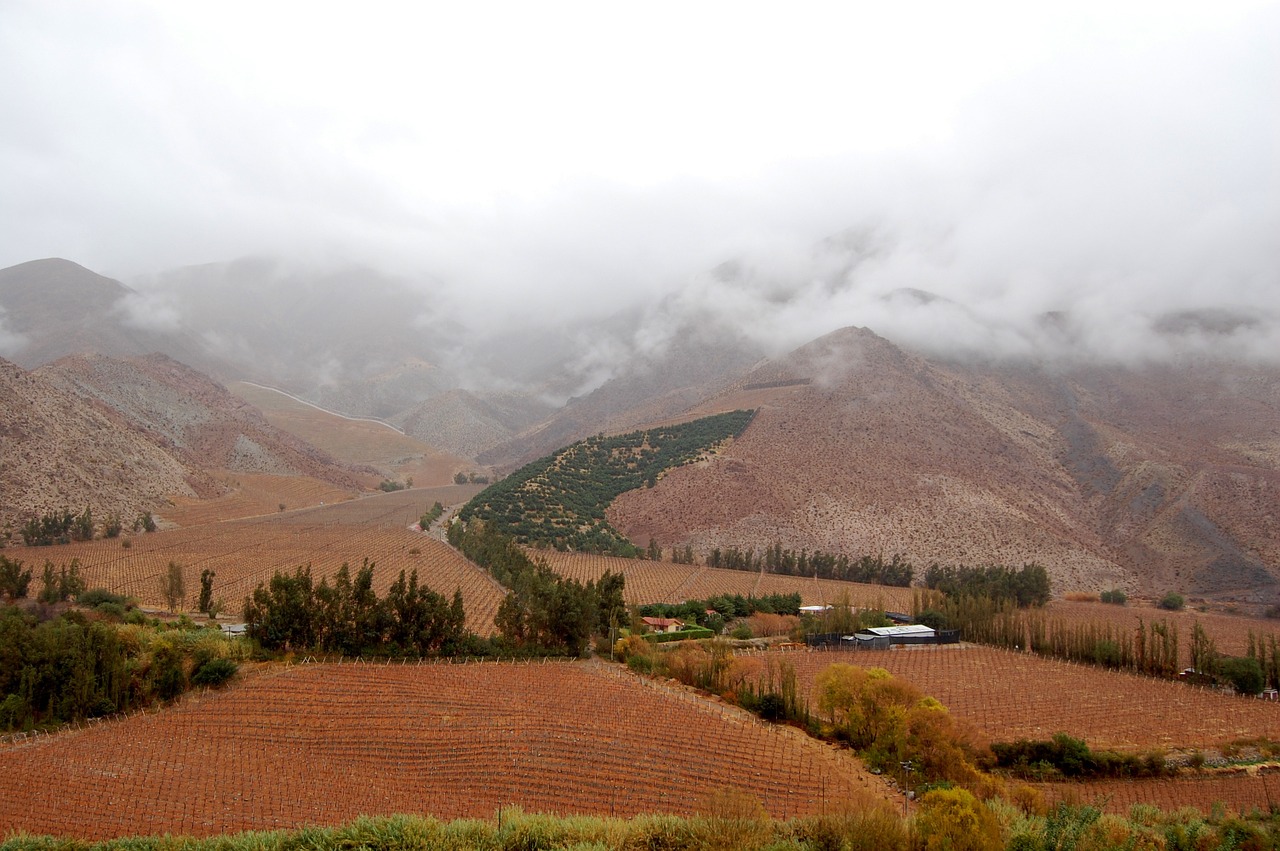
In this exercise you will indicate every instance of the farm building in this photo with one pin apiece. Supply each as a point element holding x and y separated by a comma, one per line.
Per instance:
<point>884,637</point>
<point>664,624</point>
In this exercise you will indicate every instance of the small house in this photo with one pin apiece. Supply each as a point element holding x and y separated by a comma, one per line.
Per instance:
<point>664,624</point>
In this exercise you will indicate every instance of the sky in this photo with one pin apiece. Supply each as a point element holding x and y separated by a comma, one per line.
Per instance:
<point>527,162</point>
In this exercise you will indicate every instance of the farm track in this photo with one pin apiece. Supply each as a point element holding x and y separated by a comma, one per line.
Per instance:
<point>323,743</point>
<point>1009,696</point>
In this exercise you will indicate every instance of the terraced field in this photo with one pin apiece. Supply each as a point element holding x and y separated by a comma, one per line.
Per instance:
<point>322,744</point>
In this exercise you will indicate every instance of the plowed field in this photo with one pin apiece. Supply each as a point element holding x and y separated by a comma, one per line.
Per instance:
<point>1019,696</point>
<point>322,744</point>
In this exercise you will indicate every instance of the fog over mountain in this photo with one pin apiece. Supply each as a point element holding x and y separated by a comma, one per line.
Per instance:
<point>566,189</point>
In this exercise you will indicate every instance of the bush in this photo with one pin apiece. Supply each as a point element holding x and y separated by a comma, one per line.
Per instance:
<point>1115,597</point>
<point>95,597</point>
<point>214,672</point>
<point>1172,602</point>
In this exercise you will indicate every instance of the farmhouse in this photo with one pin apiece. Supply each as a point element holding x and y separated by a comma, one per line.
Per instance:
<point>664,624</point>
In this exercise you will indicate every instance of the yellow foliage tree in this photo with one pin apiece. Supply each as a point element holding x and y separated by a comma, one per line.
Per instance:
<point>954,820</point>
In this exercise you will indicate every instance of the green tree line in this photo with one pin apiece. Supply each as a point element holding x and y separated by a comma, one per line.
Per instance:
<point>541,609</point>
<point>84,663</point>
<point>292,612</point>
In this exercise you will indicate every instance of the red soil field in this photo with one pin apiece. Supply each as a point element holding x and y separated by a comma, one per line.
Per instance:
<point>1010,696</point>
<point>245,552</point>
<point>1238,792</point>
<point>323,744</point>
<point>665,582</point>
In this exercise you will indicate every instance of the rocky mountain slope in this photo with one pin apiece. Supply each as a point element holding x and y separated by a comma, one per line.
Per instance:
<point>186,410</point>
<point>1148,479</point>
<point>58,451</point>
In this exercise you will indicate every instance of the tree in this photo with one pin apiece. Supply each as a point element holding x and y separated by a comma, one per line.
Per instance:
<point>206,591</point>
<point>1172,601</point>
<point>954,820</point>
<point>14,581</point>
<point>1243,672</point>
<point>173,586</point>
<point>82,529</point>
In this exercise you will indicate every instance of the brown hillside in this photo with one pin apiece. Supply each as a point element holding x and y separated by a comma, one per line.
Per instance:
<point>57,451</point>
<point>1141,479</point>
<point>187,410</point>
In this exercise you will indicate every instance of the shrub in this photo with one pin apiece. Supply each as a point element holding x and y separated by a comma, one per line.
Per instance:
<point>214,672</point>
<point>1116,597</point>
<point>1172,601</point>
<point>95,597</point>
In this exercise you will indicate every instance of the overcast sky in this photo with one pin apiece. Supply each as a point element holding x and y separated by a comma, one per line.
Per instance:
<point>540,158</point>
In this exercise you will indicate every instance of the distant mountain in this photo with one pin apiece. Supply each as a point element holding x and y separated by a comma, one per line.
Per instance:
<point>58,308</point>
<point>649,387</point>
<point>1149,479</point>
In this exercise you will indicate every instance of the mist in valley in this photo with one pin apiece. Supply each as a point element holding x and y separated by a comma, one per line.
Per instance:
<point>506,201</point>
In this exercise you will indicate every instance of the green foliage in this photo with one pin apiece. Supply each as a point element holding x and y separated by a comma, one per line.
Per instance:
<point>61,585</point>
<point>725,605</point>
<point>144,522</point>
<point>1028,586</point>
<point>388,486</point>
<point>95,597</point>
<point>1173,602</point>
<point>681,635</point>
<point>541,609</point>
<point>560,500</point>
<point>430,516</point>
<point>214,672</point>
<point>205,603</point>
<point>1070,757</point>
<point>1244,673</point>
<point>1115,597</point>
<point>56,527</point>
<point>897,571</point>
<point>173,585</point>
<point>112,527</point>
<point>70,668</point>
<point>293,613</point>
<point>14,581</point>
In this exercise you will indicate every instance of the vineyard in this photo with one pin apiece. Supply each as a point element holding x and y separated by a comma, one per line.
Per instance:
<point>1229,632</point>
<point>1010,696</point>
<point>245,552</point>
<point>1239,792</point>
<point>666,582</point>
<point>322,744</point>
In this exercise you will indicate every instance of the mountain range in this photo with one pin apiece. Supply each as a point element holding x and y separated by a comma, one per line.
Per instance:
<point>1147,476</point>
